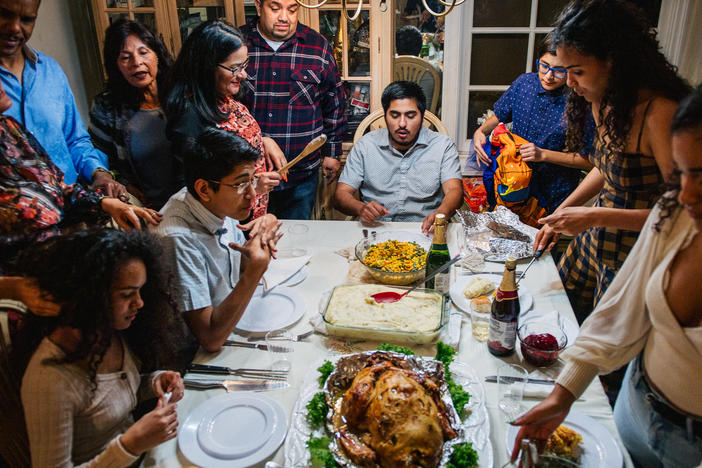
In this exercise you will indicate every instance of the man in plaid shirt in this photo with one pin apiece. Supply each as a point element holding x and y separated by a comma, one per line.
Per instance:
<point>295,94</point>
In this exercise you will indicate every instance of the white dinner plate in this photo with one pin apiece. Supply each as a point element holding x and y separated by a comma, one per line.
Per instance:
<point>298,277</point>
<point>526,300</point>
<point>233,430</point>
<point>279,308</point>
<point>599,448</point>
<point>569,327</point>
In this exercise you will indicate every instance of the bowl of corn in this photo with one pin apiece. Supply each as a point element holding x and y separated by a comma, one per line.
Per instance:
<point>394,257</point>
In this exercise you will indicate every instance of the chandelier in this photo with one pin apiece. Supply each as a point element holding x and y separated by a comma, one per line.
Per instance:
<point>383,7</point>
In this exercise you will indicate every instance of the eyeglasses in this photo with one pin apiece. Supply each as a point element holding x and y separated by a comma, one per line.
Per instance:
<point>558,73</point>
<point>241,187</point>
<point>237,68</point>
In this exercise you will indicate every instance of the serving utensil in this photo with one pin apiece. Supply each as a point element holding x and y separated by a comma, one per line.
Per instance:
<point>263,347</point>
<point>235,385</point>
<point>388,297</point>
<point>311,146</point>
<point>241,372</point>
<point>536,256</point>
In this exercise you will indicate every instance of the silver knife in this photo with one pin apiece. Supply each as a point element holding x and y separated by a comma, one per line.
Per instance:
<point>243,344</point>
<point>493,378</point>
<point>236,385</point>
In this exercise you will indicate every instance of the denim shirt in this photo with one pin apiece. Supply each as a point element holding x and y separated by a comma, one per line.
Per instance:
<point>43,102</point>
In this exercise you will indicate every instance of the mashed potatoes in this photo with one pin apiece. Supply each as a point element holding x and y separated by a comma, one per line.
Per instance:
<point>353,306</point>
<point>478,287</point>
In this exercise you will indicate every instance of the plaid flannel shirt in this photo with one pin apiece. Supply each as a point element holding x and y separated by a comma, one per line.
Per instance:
<point>295,95</point>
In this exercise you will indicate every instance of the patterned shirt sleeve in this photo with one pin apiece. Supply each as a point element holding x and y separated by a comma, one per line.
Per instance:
<point>450,164</point>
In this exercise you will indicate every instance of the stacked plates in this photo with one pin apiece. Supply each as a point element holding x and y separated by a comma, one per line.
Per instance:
<point>233,430</point>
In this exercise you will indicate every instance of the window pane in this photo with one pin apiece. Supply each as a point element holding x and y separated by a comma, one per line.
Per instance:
<point>329,28</point>
<point>479,102</point>
<point>548,10</point>
<point>497,59</point>
<point>116,3</point>
<point>538,38</point>
<point>512,13</point>
<point>149,19</point>
<point>357,105</point>
<point>142,3</point>
<point>189,16</point>
<point>359,45</point>
<point>115,16</point>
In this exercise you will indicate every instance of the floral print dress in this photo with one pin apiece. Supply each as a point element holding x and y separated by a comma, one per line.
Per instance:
<point>240,121</point>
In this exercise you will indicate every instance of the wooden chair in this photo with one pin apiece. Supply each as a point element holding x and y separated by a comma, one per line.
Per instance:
<point>411,68</point>
<point>14,444</point>
<point>376,120</point>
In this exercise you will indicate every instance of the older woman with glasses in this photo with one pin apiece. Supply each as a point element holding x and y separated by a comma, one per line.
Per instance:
<point>535,103</point>
<point>127,122</point>
<point>205,91</point>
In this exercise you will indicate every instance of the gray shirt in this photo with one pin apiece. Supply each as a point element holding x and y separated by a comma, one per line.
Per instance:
<point>196,244</point>
<point>409,184</point>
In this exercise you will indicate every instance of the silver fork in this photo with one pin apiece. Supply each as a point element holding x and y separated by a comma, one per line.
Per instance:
<point>299,337</point>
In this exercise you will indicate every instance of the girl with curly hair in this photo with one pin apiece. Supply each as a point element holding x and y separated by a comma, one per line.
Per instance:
<point>616,70</point>
<point>655,326</point>
<point>80,385</point>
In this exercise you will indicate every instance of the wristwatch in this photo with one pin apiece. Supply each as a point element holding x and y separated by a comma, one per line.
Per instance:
<point>101,169</point>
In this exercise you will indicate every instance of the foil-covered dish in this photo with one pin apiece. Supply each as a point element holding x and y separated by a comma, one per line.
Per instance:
<point>391,410</point>
<point>497,235</point>
<point>408,381</point>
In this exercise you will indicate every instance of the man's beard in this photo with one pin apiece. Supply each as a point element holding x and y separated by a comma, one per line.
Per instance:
<point>402,143</point>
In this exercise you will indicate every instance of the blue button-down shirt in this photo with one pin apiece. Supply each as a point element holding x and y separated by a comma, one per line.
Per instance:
<point>537,116</point>
<point>196,248</point>
<point>43,102</point>
<point>409,184</point>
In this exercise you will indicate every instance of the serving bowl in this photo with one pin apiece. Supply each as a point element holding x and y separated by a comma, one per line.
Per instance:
<point>541,342</point>
<point>398,278</point>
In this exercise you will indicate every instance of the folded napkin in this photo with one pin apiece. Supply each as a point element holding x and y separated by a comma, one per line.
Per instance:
<point>280,269</point>
<point>450,334</point>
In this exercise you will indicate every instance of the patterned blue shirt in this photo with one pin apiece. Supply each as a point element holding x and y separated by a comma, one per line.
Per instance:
<point>537,116</point>
<point>43,102</point>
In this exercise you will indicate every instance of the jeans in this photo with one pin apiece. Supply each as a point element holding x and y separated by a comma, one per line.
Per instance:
<point>652,440</point>
<point>294,202</point>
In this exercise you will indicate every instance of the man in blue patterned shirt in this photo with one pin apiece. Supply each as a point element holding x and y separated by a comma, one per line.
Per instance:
<point>296,95</point>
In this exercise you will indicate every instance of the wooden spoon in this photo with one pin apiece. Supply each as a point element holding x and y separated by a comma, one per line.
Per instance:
<point>311,146</point>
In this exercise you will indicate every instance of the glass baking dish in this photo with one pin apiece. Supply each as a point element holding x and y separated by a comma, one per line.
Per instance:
<point>398,335</point>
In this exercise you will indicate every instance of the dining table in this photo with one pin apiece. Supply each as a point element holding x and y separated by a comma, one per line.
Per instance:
<point>330,247</point>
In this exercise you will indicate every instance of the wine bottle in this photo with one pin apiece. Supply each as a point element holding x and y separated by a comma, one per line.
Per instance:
<point>437,256</point>
<point>502,334</point>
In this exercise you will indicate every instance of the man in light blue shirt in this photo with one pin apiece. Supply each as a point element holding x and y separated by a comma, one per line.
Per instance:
<point>404,172</point>
<point>43,102</point>
<point>216,268</point>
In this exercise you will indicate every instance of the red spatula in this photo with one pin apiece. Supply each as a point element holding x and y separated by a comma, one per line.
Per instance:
<point>387,297</point>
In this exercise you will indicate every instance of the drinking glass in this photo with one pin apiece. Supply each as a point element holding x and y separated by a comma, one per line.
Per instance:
<point>480,322</point>
<point>294,241</point>
<point>511,380</point>
<point>277,340</point>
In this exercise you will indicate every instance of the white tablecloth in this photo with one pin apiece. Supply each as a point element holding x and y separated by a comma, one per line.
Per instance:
<point>326,270</point>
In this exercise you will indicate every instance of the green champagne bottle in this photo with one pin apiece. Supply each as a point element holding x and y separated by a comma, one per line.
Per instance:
<point>437,256</point>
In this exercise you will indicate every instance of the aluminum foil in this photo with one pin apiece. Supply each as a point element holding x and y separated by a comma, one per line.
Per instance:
<point>348,366</point>
<point>475,423</point>
<point>497,235</point>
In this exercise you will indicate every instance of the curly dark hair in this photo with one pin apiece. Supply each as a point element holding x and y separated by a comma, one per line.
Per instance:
<point>122,92</point>
<point>687,118</point>
<point>191,83</point>
<point>615,31</point>
<point>78,271</point>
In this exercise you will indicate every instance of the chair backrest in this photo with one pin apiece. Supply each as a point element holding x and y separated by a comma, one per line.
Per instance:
<point>375,120</point>
<point>411,68</point>
<point>14,444</point>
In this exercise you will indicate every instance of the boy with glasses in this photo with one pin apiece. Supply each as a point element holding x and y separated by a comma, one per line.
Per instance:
<point>217,269</point>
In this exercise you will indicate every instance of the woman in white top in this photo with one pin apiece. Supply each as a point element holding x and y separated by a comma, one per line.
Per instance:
<point>80,385</point>
<point>651,315</point>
